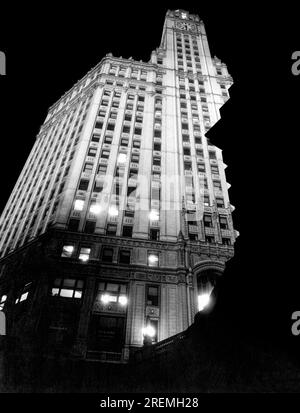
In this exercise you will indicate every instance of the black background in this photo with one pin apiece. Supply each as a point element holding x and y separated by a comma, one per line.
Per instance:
<point>49,48</point>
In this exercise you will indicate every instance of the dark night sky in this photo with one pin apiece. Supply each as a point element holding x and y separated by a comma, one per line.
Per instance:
<point>48,51</point>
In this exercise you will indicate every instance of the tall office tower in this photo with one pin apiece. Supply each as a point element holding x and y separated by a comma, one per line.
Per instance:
<point>120,222</point>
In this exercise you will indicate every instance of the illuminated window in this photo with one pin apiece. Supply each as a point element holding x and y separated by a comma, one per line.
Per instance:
<point>67,251</point>
<point>153,259</point>
<point>84,254</point>
<point>78,204</point>
<point>3,299</point>
<point>112,211</point>
<point>94,207</point>
<point>154,215</point>
<point>122,157</point>
<point>67,288</point>
<point>112,293</point>
<point>22,295</point>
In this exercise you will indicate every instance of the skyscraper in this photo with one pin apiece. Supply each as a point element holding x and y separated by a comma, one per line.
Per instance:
<point>120,222</point>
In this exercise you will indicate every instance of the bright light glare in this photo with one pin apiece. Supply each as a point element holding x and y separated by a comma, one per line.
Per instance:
<point>149,331</point>
<point>68,249</point>
<point>105,298</point>
<point>203,300</point>
<point>113,212</point>
<point>84,257</point>
<point>122,158</point>
<point>95,208</point>
<point>154,215</point>
<point>123,300</point>
<point>79,204</point>
<point>153,259</point>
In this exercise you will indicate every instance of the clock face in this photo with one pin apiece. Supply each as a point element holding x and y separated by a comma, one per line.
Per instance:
<point>186,26</point>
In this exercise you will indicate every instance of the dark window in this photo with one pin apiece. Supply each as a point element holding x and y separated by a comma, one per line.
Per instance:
<point>154,234</point>
<point>106,333</point>
<point>92,152</point>
<point>124,257</point>
<point>201,167</point>
<point>126,129</point>
<point>187,166</point>
<point>207,220</point>
<point>217,185</point>
<point>156,161</point>
<point>99,125</point>
<point>210,239</point>
<point>127,231</point>
<point>223,222</point>
<point>111,126</point>
<point>102,169</point>
<point>73,224</point>
<point>131,191</point>
<point>193,237</point>
<point>107,254</point>
<point>111,229</point>
<point>98,186</point>
<point>220,202</point>
<point>226,241</point>
<point>88,167</point>
<point>83,185</point>
<point>214,169</point>
<point>95,137</point>
<point>89,227</point>
<point>212,155</point>
<point>152,295</point>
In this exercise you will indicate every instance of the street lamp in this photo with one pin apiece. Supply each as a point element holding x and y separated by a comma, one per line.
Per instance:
<point>148,334</point>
